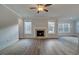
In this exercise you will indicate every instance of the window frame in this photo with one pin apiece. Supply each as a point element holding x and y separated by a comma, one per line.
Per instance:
<point>77,27</point>
<point>63,25</point>
<point>26,32</point>
<point>53,26</point>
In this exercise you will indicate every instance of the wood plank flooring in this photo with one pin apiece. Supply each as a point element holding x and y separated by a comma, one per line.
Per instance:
<point>38,47</point>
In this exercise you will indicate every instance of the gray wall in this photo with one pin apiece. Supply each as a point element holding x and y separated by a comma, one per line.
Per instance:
<point>42,22</point>
<point>8,36</point>
<point>8,27</point>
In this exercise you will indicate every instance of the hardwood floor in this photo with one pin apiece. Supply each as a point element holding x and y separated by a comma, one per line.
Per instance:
<point>38,47</point>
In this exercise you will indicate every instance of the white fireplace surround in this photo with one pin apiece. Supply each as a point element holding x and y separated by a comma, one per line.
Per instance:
<point>40,28</point>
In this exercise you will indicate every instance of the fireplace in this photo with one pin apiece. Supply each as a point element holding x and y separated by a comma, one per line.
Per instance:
<point>40,33</point>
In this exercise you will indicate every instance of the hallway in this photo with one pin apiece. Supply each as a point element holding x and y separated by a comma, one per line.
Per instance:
<point>39,47</point>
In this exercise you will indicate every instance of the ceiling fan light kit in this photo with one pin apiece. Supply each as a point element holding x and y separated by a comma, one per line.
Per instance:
<point>41,7</point>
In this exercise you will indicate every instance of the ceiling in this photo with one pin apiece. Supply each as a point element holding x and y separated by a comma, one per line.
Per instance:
<point>7,18</point>
<point>10,13</point>
<point>60,11</point>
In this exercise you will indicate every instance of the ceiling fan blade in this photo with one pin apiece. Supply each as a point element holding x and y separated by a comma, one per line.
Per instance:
<point>33,8</point>
<point>46,10</point>
<point>48,5</point>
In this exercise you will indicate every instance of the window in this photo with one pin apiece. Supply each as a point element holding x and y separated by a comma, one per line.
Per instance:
<point>77,27</point>
<point>28,27</point>
<point>51,27</point>
<point>63,27</point>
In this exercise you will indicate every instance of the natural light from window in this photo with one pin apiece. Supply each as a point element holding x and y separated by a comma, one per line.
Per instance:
<point>77,27</point>
<point>51,27</point>
<point>64,27</point>
<point>28,27</point>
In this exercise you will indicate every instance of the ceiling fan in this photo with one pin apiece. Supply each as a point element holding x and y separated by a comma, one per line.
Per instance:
<point>41,7</point>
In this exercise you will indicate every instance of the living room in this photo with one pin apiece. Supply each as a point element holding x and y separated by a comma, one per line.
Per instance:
<point>21,23</point>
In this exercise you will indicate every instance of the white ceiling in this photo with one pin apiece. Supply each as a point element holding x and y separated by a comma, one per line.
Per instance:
<point>9,13</point>
<point>70,11</point>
